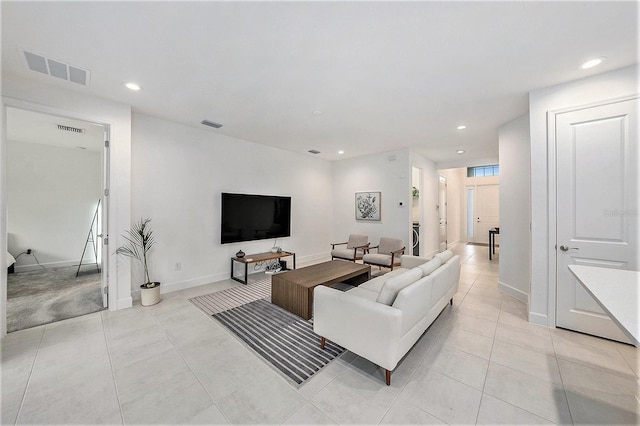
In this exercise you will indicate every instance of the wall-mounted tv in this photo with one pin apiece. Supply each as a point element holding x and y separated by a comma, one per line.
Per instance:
<point>248,217</point>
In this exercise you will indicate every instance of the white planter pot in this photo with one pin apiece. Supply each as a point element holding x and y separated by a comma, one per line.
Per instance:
<point>149,296</point>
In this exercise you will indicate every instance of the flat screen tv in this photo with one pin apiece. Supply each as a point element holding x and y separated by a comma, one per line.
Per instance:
<point>247,217</point>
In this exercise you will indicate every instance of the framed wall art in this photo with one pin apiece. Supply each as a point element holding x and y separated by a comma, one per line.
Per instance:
<point>368,205</point>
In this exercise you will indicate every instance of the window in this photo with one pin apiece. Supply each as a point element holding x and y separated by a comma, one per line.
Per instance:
<point>480,171</point>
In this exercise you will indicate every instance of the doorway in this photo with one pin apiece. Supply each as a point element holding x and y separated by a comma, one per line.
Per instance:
<point>56,209</point>
<point>416,209</point>
<point>596,206</point>
<point>442,213</point>
<point>483,212</point>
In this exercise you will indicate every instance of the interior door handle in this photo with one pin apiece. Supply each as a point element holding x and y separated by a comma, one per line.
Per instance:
<point>565,248</point>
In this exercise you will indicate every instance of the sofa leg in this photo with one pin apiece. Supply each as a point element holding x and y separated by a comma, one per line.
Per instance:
<point>387,374</point>
<point>322,343</point>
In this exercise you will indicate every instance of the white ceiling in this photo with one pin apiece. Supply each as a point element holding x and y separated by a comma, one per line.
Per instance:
<point>36,127</point>
<point>384,75</point>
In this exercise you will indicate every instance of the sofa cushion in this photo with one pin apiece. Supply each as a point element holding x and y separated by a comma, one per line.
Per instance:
<point>393,285</point>
<point>364,293</point>
<point>378,259</point>
<point>445,256</point>
<point>410,261</point>
<point>347,254</point>
<point>430,266</point>
<point>376,283</point>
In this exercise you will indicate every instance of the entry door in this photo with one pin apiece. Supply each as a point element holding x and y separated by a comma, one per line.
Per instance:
<point>486,211</point>
<point>597,206</point>
<point>442,212</point>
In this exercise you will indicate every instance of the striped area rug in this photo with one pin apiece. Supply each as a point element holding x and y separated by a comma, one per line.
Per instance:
<point>282,339</point>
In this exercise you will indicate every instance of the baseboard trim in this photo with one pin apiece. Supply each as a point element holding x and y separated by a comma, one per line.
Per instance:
<point>50,265</point>
<point>209,279</point>
<point>539,319</point>
<point>512,291</point>
<point>123,303</point>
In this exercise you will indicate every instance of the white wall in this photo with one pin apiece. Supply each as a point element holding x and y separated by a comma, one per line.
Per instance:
<point>606,86</point>
<point>515,234</point>
<point>52,194</point>
<point>178,175</point>
<point>389,173</point>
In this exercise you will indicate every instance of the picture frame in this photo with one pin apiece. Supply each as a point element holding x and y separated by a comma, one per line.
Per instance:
<point>367,205</point>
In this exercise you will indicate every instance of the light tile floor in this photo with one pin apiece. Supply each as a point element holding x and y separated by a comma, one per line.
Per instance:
<point>480,362</point>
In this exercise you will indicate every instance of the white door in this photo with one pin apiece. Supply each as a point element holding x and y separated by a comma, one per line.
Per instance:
<point>486,212</point>
<point>597,206</point>
<point>442,212</point>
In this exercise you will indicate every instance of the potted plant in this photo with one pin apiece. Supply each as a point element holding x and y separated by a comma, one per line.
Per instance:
<point>140,239</point>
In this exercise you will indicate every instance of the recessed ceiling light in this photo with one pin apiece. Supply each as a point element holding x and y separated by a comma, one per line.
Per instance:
<point>460,151</point>
<point>461,127</point>
<point>341,152</point>
<point>133,86</point>
<point>592,63</point>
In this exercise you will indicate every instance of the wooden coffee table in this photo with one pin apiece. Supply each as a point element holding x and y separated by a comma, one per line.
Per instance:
<point>293,290</point>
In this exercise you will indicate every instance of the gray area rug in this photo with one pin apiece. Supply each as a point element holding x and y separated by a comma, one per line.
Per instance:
<point>48,295</point>
<point>284,340</point>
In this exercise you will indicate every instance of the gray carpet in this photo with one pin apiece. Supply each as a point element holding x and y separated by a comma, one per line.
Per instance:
<point>284,340</point>
<point>49,295</point>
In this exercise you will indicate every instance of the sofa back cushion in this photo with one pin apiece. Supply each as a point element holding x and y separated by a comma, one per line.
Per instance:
<point>445,256</point>
<point>430,266</point>
<point>357,240</point>
<point>393,285</point>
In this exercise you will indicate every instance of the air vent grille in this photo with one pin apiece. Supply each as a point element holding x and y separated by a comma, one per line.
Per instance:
<point>314,151</point>
<point>211,124</point>
<point>70,129</point>
<point>56,68</point>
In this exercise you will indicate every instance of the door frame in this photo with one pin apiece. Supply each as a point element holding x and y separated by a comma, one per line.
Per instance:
<point>106,279</point>
<point>443,180</point>
<point>552,182</point>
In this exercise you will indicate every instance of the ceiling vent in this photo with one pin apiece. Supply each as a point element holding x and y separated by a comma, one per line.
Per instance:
<point>211,124</point>
<point>314,151</point>
<point>56,68</point>
<point>70,129</point>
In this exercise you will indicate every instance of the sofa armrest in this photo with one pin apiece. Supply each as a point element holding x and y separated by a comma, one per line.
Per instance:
<point>333,245</point>
<point>367,328</point>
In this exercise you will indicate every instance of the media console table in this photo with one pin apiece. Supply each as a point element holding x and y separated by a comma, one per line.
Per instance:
<point>258,257</point>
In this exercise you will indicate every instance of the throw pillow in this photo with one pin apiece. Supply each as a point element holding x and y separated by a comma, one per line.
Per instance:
<point>392,286</point>
<point>430,266</point>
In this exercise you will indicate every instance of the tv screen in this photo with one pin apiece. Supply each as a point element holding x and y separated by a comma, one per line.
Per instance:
<point>247,217</point>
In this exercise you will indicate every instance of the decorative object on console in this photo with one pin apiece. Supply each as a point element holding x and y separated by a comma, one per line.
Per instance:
<point>240,254</point>
<point>368,205</point>
<point>140,240</point>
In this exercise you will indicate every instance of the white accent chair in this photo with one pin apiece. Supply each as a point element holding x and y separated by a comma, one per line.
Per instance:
<point>356,248</point>
<point>388,255</point>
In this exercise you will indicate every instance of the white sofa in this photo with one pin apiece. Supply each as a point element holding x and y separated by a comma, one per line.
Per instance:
<point>383,318</point>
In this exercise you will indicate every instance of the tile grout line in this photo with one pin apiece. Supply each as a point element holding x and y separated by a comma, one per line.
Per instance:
<point>113,373</point>
<point>33,365</point>
<point>564,389</point>
<point>164,331</point>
